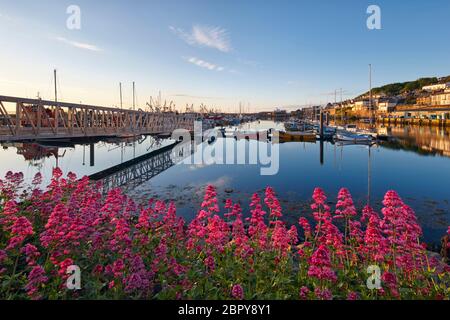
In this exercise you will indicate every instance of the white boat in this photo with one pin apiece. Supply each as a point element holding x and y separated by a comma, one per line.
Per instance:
<point>371,133</point>
<point>349,136</point>
<point>351,127</point>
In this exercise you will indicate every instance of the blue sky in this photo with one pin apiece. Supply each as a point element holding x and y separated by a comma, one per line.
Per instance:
<point>218,52</point>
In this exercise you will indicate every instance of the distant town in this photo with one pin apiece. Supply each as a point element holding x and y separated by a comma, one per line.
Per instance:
<point>425,99</point>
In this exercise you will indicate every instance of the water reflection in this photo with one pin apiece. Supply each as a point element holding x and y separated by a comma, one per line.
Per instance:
<point>367,170</point>
<point>84,157</point>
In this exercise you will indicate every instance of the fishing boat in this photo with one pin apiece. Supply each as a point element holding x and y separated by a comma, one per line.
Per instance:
<point>296,126</point>
<point>285,136</point>
<point>328,132</point>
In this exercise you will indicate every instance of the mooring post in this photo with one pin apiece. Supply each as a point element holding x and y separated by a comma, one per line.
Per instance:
<point>321,151</point>
<point>91,154</point>
<point>321,125</point>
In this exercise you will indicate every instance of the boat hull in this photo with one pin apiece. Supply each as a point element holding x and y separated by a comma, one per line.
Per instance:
<point>353,137</point>
<point>296,136</point>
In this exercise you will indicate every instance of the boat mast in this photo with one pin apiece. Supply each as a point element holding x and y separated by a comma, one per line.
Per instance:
<point>134,99</point>
<point>369,176</point>
<point>56,105</point>
<point>56,90</point>
<point>370,94</point>
<point>120,89</point>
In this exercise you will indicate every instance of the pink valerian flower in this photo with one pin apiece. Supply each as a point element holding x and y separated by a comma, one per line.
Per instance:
<point>366,213</point>
<point>303,222</point>
<point>356,233</point>
<point>237,292</point>
<point>63,266</point>
<point>236,210</point>
<point>37,180</point>
<point>111,284</point>
<point>210,202</point>
<point>345,207</point>
<point>320,265</point>
<point>56,227</point>
<point>117,268</point>
<point>217,233</point>
<point>10,186</point>
<point>273,204</point>
<point>98,269</point>
<point>257,229</point>
<point>331,237</point>
<point>228,204</point>
<point>121,237</point>
<point>31,253</point>
<point>352,296</point>
<point>255,200</point>
<point>176,268</point>
<point>323,294</point>
<point>9,215</point>
<point>321,209</point>
<point>375,245</point>
<point>139,278</point>
<point>210,263</point>
<point>161,256</point>
<point>36,278</point>
<point>303,293</point>
<point>280,238</point>
<point>390,280</point>
<point>403,233</point>
<point>20,229</point>
<point>144,219</point>
<point>240,239</point>
<point>293,235</point>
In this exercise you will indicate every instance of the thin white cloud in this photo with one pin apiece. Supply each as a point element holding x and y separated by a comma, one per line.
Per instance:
<point>205,36</point>
<point>79,45</point>
<point>204,64</point>
<point>246,62</point>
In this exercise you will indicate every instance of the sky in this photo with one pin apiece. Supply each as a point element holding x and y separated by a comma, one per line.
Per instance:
<point>263,54</point>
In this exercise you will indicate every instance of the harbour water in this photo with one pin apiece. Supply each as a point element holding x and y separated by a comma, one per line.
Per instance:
<point>416,164</point>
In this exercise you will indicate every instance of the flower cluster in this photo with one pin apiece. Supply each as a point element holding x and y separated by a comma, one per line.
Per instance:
<point>148,252</point>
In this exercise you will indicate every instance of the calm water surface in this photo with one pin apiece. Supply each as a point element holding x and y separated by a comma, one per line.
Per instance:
<point>416,165</point>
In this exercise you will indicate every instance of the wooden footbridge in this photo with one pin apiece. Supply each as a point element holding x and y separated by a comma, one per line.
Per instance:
<point>32,119</point>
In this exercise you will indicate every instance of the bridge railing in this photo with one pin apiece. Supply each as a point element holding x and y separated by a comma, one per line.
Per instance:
<point>36,118</point>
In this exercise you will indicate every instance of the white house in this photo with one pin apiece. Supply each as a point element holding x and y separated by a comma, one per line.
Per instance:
<point>386,105</point>
<point>436,87</point>
<point>361,105</point>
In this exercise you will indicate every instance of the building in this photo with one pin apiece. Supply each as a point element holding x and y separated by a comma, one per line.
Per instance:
<point>386,105</point>
<point>297,114</point>
<point>423,100</point>
<point>280,115</point>
<point>436,87</point>
<point>361,105</point>
<point>440,99</point>
<point>311,113</point>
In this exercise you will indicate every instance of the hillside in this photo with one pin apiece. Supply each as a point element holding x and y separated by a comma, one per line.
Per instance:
<point>399,88</point>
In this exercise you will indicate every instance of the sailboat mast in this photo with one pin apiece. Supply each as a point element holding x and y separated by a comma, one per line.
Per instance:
<point>370,94</point>
<point>56,90</point>
<point>134,99</point>
<point>120,89</point>
<point>369,165</point>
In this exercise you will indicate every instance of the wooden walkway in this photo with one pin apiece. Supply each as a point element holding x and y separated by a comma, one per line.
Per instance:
<point>42,119</point>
